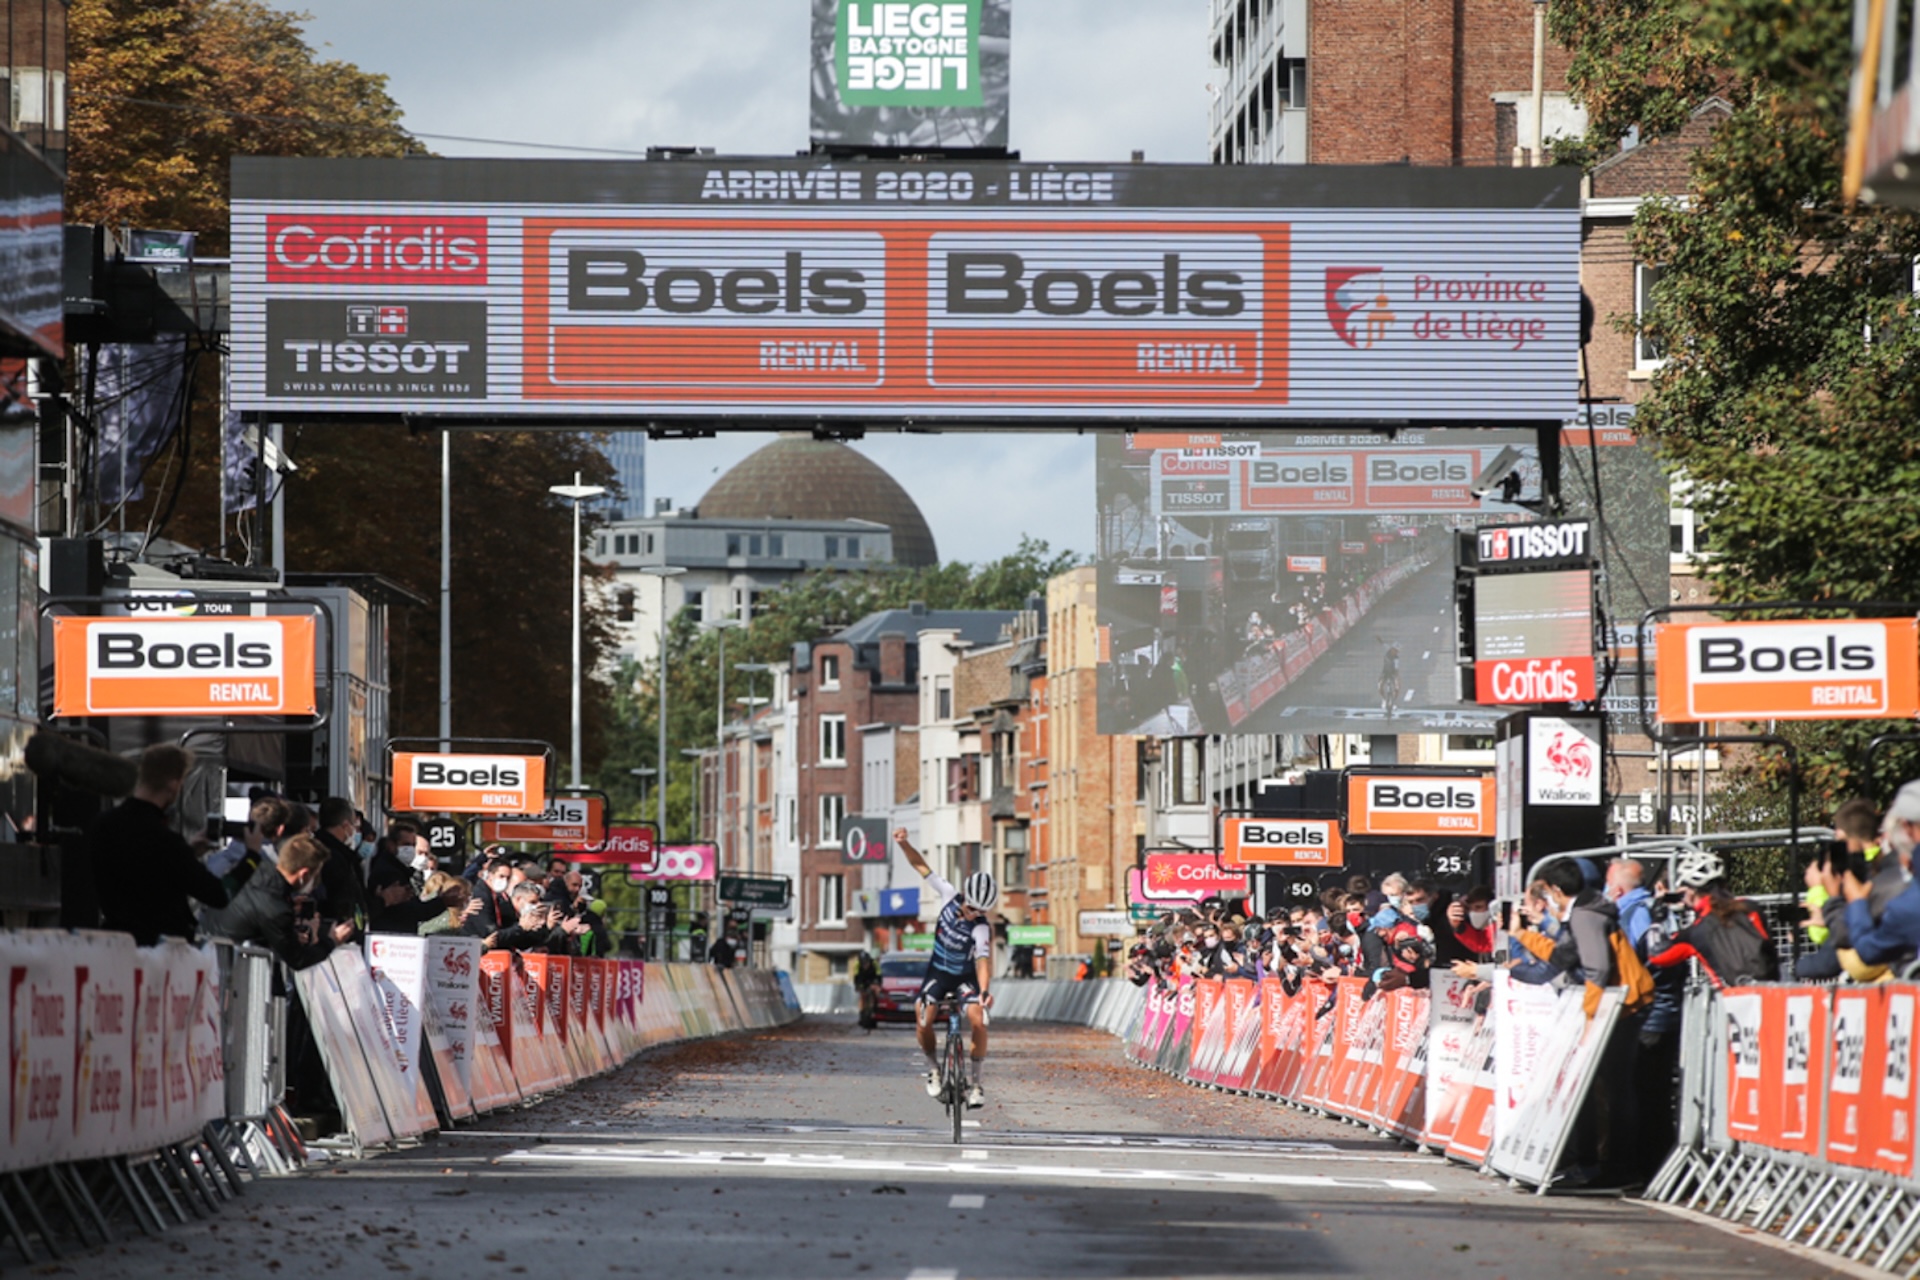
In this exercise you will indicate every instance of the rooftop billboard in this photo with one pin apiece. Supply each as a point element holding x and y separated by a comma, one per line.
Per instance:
<point>912,74</point>
<point>763,292</point>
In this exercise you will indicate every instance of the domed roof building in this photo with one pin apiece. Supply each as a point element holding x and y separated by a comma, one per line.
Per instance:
<point>800,478</point>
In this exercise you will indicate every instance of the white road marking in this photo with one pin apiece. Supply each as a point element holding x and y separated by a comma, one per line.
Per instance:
<point>967,1202</point>
<point>973,1155</point>
<point>1425,654</point>
<point>928,1273</point>
<point>828,1164</point>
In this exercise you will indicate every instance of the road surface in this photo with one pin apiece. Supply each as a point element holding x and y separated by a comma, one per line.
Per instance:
<point>813,1151</point>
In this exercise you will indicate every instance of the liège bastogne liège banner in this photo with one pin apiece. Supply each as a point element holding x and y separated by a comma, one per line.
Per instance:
<point>987,292</point>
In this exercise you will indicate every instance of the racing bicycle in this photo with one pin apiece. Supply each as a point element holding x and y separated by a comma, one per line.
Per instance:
<point>953,1060</point>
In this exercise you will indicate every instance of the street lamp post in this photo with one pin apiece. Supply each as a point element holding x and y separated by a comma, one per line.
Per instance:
<point>577,493</point>
<point>643,772</point>
<point>662,572</point>
<point>1539,82</point>
<point>747,766</point>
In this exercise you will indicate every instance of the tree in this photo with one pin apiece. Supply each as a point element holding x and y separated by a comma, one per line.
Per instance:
<point>1791,382</point>
<point>815,605</point>
<point>164,93</point>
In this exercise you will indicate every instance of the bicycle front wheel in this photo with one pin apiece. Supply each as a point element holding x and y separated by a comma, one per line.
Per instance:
<point>956,1084</point>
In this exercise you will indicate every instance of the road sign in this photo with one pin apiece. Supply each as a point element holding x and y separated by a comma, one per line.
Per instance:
<point>756,891</point>
<point>576,820</point>
<point>1031,935</point>
<point>1105,924</point>
<point>899,902</point>
<point>446,838</point>
<point>659,896</point>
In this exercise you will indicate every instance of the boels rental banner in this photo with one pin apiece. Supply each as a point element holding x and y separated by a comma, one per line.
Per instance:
<point>183,666</point>
<point>1383,805</point>
<point>778,287</point>
<point>489,784</point>
<point>1833,669</point>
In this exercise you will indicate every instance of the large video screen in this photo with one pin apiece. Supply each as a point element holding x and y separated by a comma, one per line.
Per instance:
<point>1292,581</point>
<point>1533,637</point>
<point>755,292</point>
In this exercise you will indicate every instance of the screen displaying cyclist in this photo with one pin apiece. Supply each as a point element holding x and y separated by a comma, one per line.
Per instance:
<point>962,965</point>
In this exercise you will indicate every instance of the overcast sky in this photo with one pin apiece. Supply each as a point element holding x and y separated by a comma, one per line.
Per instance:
<point>1092,80</point>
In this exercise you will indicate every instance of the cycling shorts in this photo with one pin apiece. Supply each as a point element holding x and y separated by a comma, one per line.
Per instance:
<point>940,985</point>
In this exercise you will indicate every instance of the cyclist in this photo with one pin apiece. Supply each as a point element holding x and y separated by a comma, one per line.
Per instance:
<point>866,981</point>
<point>962,965</point>
<point>1390,677</point>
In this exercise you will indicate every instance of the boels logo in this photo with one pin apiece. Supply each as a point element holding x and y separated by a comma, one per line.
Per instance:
<point>1275,842</point>
<point>183,666</point>
<point>1420,806</point>
<point>469,783</point>
<point>1843,669</point>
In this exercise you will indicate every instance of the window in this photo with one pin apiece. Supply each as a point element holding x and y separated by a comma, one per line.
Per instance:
<point>753,545</point>
<point>833,739</point>
<point>830,671</point>
<point>1296,69</point>
<point>697,606</point>
<point>600,546</point>
<point>942,698</point>
<point>623,604</point>
<point>833,900</point>
<point>963,779</point>
<point>1187,776</point>
<point>733,544</point>
<point>776,544</point>
<point>833,812</point>
<point>853,548</point>
<point>833,548</point>
<point>1648,353</point>
<point>649,542</point>
<point>1467,748</point>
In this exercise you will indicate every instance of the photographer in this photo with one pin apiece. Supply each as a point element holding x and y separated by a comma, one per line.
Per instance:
<point>1858,851</point>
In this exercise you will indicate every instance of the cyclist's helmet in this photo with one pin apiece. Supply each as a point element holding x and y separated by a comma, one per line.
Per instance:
<point>1698,868</point>
<point>980,891</point>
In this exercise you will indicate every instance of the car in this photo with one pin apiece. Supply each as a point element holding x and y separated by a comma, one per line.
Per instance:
<point>901,974</point>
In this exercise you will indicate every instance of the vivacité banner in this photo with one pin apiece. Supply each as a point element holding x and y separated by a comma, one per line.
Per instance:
<point>744,292</point>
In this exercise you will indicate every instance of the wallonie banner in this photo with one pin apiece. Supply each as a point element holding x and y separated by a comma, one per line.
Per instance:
<point>776,289</point>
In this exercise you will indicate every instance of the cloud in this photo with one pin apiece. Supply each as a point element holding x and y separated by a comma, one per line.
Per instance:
<point>1092,80</point>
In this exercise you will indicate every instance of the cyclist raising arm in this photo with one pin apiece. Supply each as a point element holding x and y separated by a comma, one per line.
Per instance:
<point>962,964</point>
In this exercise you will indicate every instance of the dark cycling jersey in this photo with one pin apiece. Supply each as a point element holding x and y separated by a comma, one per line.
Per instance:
<point>957,942</point>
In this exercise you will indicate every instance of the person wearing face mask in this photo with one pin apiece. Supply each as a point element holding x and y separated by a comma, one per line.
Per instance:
<point>263,912</point>
<point>343,894</point>
<point>496,912</point>
<point>1469,930</point>
<point>1893,938</point>
<point>1635,904</point>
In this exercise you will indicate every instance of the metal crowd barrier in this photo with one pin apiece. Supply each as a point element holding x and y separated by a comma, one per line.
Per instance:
<point>146,1081</point>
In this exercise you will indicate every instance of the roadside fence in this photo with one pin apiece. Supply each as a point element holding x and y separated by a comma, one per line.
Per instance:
<point>143,1082</point>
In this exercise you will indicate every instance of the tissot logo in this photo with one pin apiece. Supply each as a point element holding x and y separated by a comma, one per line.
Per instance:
<point>374,249</point>
<point>388,350</point>
<point>1520,543</point>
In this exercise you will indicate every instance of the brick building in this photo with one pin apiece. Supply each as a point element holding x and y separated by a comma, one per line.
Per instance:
<point>866,675</point>
<point>1380,82</point>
